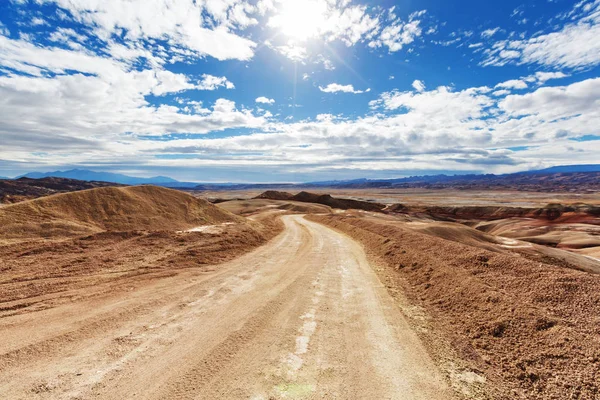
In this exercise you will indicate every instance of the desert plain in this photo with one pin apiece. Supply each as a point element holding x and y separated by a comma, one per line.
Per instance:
<point>154,293</point>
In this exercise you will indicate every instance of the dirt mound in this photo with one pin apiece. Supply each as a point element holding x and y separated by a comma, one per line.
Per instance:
<point>147,208</point>
<point>16,190</point>
<point>529,327</point>
<point>456,233</point>
<point>255,206</point>
<point>305,208</point>
<point>559,213</point>
<point>54,268</point>
<point>274,195</point>
<point>575,226</point>
<point>342,204</point>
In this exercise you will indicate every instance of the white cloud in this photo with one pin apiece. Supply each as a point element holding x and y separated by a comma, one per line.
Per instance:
<point>292,51</point>
<point>327,63</point>
<point>557,102</point>
<point>83,105</point>
<point>264,6</point>
<point>441,107</point>
<point>512,84</point>
<point>488,33</point>
<point>397,35</point>
<point>502,92</point>
<point>81,118</point>
<point>180,22</point>
<point>265,100</point>
<point>36,21</point>
<point>351,25</point>
<point>28,58</point>
<point>543,77</point>
<point>418,85</point>
<point>4,30</point>
<point>575,45</point>
<point>93,101</point>
<point>210,82</point>
<point>331,21</point>
<point>33,60</point>
<point>325,117</point>
<point>88,107</point>
<point>66,36</point>
<point>335,87</point>
<point>345,22</point>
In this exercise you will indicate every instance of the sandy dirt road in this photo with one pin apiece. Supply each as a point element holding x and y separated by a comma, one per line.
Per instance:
<point>303,317</point>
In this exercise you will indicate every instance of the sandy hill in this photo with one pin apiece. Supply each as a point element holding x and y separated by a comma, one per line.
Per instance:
<point>343,204</point>
<point>274,195</point>
<point>148,208</point>
<point>557,213</point>
<point>256,205</point>
<point>15,190</point>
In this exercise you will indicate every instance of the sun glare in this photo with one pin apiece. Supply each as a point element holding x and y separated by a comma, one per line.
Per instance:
<point>300,19</point>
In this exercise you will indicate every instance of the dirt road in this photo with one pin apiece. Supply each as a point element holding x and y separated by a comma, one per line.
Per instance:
<point>302,317</point>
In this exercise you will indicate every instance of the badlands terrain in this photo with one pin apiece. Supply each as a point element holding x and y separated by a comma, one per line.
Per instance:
<point>146,292</point>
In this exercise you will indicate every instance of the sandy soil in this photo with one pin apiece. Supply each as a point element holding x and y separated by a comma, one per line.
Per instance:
<point>38,274</point>
<point>529,326</point>
<point>304,316</point>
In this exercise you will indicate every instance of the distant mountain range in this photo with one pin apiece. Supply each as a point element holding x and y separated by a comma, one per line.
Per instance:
<point>86,175</point>
<point>15,190</point>
<point>556,179</point>
<point>566,177</point>
<point>568,169</point>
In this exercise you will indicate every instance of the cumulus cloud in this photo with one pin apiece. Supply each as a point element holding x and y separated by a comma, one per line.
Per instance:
<point>265,100</point>
<point>448,128</point>
<point>92,100</point>
<point>440,107</point>
<point>557,102</point>
<point>336,87</point>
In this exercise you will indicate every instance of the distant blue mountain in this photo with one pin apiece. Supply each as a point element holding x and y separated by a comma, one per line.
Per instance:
<point>567,169</point>
<point>86,175</point>
<point>446,179</point>
<point>336,182</point>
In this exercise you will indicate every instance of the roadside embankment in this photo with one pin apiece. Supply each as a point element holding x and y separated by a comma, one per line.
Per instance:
<point>530,328</point>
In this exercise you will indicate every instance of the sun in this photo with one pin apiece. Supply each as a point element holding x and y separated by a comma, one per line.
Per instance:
<point>300,19</point>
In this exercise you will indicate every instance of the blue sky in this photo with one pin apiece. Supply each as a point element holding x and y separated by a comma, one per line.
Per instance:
<point>298,90</point>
